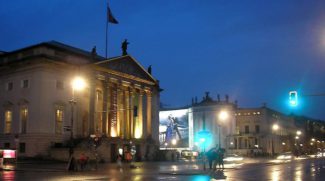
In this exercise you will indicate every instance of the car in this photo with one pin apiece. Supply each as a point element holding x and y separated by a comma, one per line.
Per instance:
<point>232,158</point>
<point>285,156</point>
<point>189,154</point>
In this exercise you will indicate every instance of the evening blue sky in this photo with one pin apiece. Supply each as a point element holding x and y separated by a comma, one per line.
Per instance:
<point>254,51</point>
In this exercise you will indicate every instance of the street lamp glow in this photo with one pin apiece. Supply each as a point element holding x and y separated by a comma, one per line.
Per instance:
<point>283,143</point>
<point>275,127</point>
<point>313,139</point>
<point>174,141</point>
<point>298,133</point>
<point>223,115</point>
<point>78,83</point>
<point>297,137</point>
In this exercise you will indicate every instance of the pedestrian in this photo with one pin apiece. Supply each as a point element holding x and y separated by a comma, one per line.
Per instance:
<point>220,158</point>
<point>211,155</point>
<point>82,161</point>
<point>128,157</point>
<point>72,164</point>
<point>119,161</point>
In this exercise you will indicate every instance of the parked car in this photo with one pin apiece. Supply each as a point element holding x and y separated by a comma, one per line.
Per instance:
<point>189,154</point>
<point>285,156</point>
<point>232,158</point>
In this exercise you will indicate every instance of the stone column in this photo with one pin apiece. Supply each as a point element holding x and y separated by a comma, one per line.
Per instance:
<point>144,114</point>
<point>92,105</point>
<point>149,99</point>
<point>127,114</point>
<point>131,111</point>
<point>113,111</point>
<point>140,114</point>
<point>105,108</point>
<point>121,111</point>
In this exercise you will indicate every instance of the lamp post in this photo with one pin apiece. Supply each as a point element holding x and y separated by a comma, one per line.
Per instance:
<point>275,127</point>
<point>202,141</point>
<point>223,115</point>
<point>77,84</point>
<point>298,134</point>
<point>96,143</point>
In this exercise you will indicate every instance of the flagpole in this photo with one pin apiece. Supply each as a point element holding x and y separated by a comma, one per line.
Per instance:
<point>106,33</point>
<point>106,39</point>
<point>110,19</point>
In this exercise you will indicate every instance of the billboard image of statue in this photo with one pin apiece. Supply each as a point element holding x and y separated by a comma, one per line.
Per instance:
<point>173,125</point>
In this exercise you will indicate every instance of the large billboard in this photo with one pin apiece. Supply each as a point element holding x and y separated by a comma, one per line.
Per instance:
<point>174,129</point>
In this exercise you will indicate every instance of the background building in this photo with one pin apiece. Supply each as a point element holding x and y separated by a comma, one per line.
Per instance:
<point>217,117</point>
<point>262,131</point>
<point>118,107</point>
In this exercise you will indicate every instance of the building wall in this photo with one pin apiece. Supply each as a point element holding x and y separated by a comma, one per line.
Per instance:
<point>266,140</point>
<point>91,115</point>
<point>210,115</point>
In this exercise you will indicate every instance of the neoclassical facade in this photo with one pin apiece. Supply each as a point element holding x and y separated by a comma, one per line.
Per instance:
<point>39,109</point>
<point>214,117</point>
<point>262,131</point>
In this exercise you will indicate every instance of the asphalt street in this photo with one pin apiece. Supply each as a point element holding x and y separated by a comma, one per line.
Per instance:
<point>299,170</point>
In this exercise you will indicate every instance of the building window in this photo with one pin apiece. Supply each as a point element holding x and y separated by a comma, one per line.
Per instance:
<point>7,145</point>
<point>9,86</point>
<point>25,83</point>
<point>8,121</point>
<point>23,119</point>
<point>59,85</point>
<point>58,121</point>
<point>246,129</point>
<point>257,128</point>
<point>22,147</point>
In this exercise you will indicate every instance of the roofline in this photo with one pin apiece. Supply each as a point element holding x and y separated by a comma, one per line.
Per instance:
<point>53,43</point>
<point>117,58</point>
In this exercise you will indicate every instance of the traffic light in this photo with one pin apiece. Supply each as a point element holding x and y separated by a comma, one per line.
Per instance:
<point>203,138</point>
<point>293,98</point>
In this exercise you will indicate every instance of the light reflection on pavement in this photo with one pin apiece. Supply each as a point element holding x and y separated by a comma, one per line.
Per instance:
<point>297,170</point>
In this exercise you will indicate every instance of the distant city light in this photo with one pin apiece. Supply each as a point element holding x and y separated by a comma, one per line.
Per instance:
<point>298,132</point>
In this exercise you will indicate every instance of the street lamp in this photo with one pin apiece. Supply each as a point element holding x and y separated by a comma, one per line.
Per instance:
<point>275,127</point>
<point>77,84</point>
<point>174,141</point>
<point>223,115</point>
<point>298,133</point>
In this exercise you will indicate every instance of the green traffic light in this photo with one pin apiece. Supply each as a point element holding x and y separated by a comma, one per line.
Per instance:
<point>293,98</point>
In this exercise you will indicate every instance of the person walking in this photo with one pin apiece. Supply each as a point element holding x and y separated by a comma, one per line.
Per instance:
<point>220,153</point>
<point>211,155</point>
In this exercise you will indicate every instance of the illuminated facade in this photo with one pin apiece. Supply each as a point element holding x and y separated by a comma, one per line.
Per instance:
<point>119,103</point>
<point>200,116</point>
<point>262,131</point>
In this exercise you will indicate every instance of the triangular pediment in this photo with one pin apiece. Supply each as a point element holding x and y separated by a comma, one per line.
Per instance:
<point>127,65</point>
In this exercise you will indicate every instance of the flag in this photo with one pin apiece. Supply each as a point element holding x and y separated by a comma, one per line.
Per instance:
<point>110,17</point>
